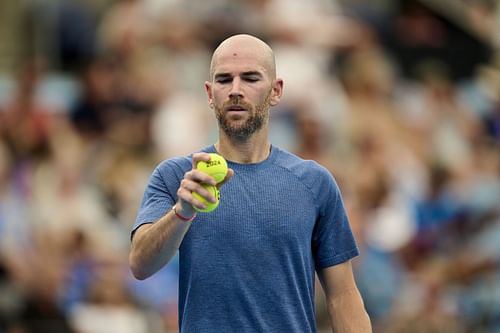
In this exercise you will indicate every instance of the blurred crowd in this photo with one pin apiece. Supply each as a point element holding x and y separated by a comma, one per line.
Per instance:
<point>95,93</point>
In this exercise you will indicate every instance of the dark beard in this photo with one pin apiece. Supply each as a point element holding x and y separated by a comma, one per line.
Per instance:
<point>252,125</point>
<point>242,133</point>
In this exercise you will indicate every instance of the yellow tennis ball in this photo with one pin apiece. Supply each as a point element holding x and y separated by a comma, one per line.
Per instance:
<point>210,205</point>
<point>216,167</point>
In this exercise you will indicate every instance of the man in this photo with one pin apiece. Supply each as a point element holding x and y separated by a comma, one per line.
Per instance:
<point>249,266</point>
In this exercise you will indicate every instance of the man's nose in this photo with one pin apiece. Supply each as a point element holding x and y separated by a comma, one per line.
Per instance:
<point>236,89</point>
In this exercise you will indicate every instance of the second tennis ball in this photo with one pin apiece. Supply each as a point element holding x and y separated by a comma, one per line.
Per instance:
<point>210,205</point>
<point>216,167</point>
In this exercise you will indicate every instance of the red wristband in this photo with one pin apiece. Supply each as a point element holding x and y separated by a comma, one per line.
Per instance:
<point>188,219</point>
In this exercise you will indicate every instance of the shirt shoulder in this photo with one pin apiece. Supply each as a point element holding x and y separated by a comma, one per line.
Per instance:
<point>315,177</point>
<point>174,164</point>
<point>305,170</point>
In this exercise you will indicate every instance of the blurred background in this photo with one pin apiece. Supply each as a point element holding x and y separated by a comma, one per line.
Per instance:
<point>399,99</point>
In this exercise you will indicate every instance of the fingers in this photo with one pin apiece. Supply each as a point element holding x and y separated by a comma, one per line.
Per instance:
<point>186,190</point>
<point>193,180</point>
<point>199,157</point>
<point>199,177</point>
<point>192,183</point>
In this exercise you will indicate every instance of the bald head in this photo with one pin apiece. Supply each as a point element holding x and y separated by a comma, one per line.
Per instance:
<point>244,46</point>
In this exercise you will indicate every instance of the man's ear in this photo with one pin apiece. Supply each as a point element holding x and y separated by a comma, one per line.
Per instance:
<point>208,90</point>
<point>277,92</point>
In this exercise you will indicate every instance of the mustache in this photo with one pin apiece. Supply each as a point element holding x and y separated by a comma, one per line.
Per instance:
<point>236,101</point>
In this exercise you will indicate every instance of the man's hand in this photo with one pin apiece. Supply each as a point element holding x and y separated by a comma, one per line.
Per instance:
<point>192,183</point>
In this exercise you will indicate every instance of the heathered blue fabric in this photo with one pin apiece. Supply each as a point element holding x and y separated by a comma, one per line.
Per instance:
<point>249,265</point>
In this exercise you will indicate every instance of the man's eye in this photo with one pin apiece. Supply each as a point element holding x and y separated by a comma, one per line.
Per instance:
<point>251,79</point>
<point>225,80</point>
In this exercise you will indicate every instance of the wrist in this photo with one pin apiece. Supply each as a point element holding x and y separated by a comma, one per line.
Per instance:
<point>183,215</point>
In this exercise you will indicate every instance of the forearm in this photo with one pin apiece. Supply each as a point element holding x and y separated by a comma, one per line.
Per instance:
<point>347,313</point>
<point>154,245</point>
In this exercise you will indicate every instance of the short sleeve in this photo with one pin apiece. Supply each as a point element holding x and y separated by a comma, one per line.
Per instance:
<point>161,191</point>
<point>333,241</point>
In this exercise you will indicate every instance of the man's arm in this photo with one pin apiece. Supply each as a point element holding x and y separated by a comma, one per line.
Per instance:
<point>344,303</point>
<point>154,244</point>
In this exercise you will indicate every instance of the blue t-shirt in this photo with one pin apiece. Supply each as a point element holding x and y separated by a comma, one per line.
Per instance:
<point>249,266</point>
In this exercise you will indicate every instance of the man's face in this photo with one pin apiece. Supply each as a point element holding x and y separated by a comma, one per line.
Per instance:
<point>241,92</point>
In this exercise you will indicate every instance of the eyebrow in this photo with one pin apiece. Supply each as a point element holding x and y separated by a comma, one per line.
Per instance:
<point>222,76</point>
<point>252,73</point>
<point>244,74</point>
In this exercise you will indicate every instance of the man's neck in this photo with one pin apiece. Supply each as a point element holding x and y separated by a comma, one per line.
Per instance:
<point>254,150</point>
